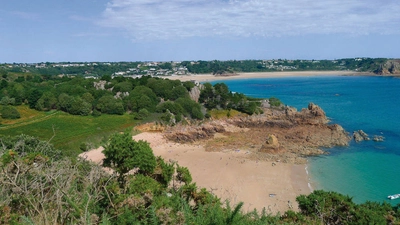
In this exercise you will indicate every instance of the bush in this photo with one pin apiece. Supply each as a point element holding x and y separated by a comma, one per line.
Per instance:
<point>7,101</point>
<point>96,113</point>
<point>143,113</point>
<point>274,102</point>
<point>124,154</point>
<point>9,112</point>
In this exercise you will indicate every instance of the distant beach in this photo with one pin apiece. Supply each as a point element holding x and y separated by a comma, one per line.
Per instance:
<point>211,77</point>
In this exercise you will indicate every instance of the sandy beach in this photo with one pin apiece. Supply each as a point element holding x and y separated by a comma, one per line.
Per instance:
<point>210,77</point>
<point>231,175</point>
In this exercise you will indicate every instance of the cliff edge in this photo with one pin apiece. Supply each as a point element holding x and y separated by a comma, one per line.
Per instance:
<point>390,67</point>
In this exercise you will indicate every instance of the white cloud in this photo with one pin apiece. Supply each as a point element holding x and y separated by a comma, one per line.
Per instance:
<point>166,19</point>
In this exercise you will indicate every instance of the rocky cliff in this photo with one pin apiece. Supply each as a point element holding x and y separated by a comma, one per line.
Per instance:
<point>277,134</point>
<point>390,67</point>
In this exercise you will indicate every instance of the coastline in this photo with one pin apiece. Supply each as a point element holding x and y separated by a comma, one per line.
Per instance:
<point>231,175</point>
<point>211,77</point>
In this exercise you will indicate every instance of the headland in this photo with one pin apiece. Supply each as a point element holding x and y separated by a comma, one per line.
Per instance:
<point>259,160</point>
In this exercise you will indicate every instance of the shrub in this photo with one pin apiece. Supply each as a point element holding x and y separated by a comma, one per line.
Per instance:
<point>124,154</point>
<point>9,112</point>
<point>7,101</point>
<point>274,102</point>
<point>143,113</point>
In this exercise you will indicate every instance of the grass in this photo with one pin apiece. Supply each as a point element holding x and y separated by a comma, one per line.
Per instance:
<point>69,131</point>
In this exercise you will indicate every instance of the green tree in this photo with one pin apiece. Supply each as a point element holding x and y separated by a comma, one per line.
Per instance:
<point>46,102</point>
<point>179,92</point>
<point>3,84</point>
<point>9,112</point>
<point>125,86</point>
<point>124,154</point>
<point>65,102</point>
<point>7,101</point>
<point>33,96</point>
<point>87,97</point>
<point>79,107</point>
<point>109,104</point>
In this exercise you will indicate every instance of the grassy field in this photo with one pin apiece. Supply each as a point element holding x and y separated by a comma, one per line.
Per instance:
<point>69,131</point>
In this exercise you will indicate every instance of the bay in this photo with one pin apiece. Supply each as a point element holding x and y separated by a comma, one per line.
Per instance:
<point>367,171</point>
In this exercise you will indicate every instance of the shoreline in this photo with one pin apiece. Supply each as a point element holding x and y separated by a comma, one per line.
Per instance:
<point>231,175</point>
<point>248,75</point>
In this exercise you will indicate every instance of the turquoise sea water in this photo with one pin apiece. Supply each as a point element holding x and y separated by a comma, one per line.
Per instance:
<point>367,170</point>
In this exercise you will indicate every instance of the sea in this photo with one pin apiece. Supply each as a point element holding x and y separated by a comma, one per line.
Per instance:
<point>366,171</point>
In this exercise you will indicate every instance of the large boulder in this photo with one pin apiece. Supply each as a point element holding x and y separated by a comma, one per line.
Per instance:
<point>271,145</point>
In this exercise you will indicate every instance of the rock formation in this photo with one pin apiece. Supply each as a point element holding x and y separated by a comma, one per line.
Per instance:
<point>271,145</point>
<point>195,93</point>
<point>390,67</point>
<point>378,138</point>
<point>360,135</point>
<point>278,134</point>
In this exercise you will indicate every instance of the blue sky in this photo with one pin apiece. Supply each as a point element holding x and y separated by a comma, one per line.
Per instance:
<point>170,30</point>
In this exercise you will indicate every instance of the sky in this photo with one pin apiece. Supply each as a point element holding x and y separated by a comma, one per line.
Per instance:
<point>176,30</point>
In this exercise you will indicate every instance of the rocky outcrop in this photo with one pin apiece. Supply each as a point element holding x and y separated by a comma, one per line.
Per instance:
<point>360,135</point>
<point>390,67</point>
<point>195,93</point>
<point>190,134</point>
<point>378,138</point>
<point>100,85</point>
<point>312,115</point>
<point>276,134</point>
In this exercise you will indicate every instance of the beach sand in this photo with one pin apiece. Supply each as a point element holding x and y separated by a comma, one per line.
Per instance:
<point>231,175</point>
<point>210,77</point>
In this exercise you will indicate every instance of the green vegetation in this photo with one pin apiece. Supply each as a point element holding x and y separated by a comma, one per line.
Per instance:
<point>124,154</point>
<point>219,97</point>
<point>80,113</point>
<point>44,183</point>
<point>221,67</point>
<point>44,71</point>
<point>9,112</point>
<point>39,186</point>
<point>69,131</point>
<point>275,102</point>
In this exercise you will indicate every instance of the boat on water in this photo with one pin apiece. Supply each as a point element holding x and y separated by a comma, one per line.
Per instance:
<point>391,197</point>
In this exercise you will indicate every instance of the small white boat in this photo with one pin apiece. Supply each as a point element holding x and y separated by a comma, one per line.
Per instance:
<point>391,197</point>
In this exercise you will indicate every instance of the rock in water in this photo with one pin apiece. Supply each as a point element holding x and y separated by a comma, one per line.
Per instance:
<point>360,135</point>
<point>378,138</point>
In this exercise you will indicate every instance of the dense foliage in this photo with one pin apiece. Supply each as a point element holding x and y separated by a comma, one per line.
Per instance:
<point>219,97</point>
<point>141,97</point>
<point>40,189</point>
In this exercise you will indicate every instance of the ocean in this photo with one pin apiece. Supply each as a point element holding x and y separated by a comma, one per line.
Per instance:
<point>366,171</point>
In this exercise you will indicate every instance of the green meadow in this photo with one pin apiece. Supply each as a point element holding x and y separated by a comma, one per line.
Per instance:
<point>66,132</point>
